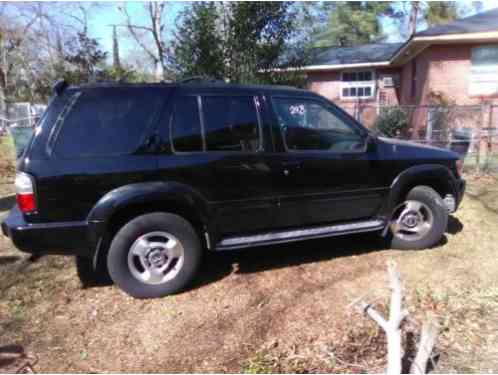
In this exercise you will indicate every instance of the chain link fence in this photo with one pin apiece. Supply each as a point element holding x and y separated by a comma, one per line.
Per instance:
<point>471,131</point>
<point>19,120</point>
<point>20,115</point>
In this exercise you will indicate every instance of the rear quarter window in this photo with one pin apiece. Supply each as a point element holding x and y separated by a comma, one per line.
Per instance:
<point>107,122</point>
<point>38,144</point>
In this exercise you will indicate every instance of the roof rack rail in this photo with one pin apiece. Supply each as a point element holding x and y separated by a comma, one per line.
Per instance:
<point>200,79</point>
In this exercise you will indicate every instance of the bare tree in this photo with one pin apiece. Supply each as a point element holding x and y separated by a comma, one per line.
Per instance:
<point>154,29</point>
<point>13,34</point>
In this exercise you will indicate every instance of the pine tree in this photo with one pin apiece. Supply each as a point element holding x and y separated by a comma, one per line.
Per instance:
<point>235,41</point>
<point>258,37</point>
<point>353,23</point>
<point>198,45</point>
<point>440,12</point>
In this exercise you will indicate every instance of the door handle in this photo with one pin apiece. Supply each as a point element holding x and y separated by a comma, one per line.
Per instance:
<point>291,164</point>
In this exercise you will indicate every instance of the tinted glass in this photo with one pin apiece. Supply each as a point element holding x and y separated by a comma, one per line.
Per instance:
<point>47,122</point>
<point>107,122</point>
<point>309,125</point>
<point>231,123</point>
<point>186,131</point>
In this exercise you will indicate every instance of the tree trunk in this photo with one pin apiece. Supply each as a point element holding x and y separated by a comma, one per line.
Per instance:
<point>158,71</point>
<point>3,108</point>
<point>413,18</point>
<point>3,82</point>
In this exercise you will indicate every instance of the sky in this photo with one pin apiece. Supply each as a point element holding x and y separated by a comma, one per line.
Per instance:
<point>107,14</point>
<point>464,6</point>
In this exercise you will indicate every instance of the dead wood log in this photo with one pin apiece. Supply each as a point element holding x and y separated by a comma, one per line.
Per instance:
<point>392,328</point>
<point>426,344</point>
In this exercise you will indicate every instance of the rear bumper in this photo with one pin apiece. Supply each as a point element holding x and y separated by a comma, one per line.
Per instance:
<point>67,238</point>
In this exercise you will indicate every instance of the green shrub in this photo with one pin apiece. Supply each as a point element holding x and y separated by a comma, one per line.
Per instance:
<point>392,122</point>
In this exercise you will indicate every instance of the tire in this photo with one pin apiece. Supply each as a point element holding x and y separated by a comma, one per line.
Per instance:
<point>425,202</point>
<point>139,251</point>
<point>89,275</point>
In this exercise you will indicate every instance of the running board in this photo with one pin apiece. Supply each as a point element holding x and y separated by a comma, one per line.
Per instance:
<point>230,243</point>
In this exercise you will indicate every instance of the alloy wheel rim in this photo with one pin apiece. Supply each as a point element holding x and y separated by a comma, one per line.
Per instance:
<point>412,220</point>
<point>156,258</point>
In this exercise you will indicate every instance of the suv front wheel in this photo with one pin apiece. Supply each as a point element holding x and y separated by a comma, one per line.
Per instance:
<point>420,221</point>
<point>154,255</point>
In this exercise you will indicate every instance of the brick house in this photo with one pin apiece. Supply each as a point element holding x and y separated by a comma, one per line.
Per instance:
<point>456,62</point>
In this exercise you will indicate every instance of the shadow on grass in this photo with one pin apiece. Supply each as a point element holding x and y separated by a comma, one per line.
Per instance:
<point>454,225</point>
<point>9,259</point>
<point>218,265</point>
<point>7,202</point>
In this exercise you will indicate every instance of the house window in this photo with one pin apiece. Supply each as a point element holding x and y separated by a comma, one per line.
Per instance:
<point>357,85</point>
<point>484,72</point>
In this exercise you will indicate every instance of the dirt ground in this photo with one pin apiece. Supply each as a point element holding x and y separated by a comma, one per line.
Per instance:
<point>281,308</point>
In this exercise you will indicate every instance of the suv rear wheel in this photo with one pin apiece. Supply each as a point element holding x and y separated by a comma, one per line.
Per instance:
<point>154,255</point>
<point>420,221</point>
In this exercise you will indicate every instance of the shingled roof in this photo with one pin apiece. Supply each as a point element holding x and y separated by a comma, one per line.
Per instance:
<point>385,54</point>
<point>367,53</point>
<point>482,22</point>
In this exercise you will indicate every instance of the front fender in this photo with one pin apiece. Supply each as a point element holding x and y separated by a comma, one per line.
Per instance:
<point>143,193</point>
<point>424,174</point>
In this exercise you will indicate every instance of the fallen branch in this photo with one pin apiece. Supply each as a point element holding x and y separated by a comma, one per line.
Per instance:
<point>392,328</point>
<point>426,344</point>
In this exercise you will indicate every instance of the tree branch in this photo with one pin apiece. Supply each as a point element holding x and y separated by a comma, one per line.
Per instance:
<point>430,331</point>
<point>132,29</point>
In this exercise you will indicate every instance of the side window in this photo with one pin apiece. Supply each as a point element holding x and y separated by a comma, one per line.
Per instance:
<point>231,123</point>
<point>186,133</point>
<point>310,125</point>
<point>106,122</point>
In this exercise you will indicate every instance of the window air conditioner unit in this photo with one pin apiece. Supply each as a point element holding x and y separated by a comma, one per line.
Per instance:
<point>388,81</point>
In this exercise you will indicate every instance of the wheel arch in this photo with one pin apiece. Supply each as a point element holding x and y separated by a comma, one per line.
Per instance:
<point>435,176</point>
<point>121,205</point>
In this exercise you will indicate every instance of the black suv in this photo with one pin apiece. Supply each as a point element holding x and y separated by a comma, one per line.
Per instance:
<point>145,178</point>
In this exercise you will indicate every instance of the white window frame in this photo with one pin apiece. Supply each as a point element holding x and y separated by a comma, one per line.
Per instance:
<point>371,84</point>
<point>483,78</point>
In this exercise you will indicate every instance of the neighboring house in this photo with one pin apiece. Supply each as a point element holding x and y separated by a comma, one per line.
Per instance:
<point>456,62</point>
